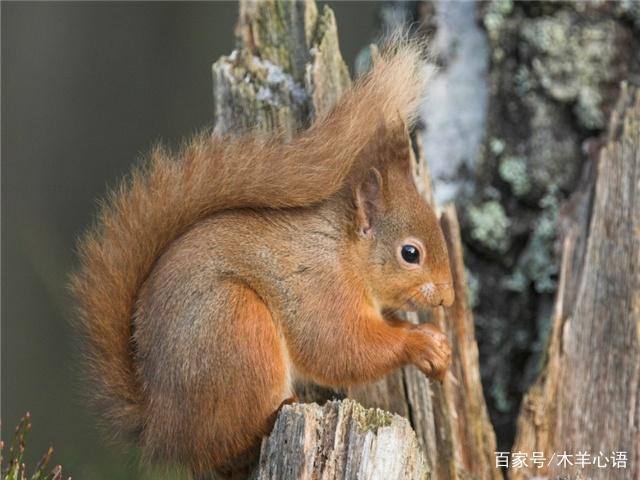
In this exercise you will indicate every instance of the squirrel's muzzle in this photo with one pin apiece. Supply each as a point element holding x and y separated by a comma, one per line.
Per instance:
<point>436,294</point>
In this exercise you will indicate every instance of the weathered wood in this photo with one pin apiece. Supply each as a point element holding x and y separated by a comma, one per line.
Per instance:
<point>587,398</point>
<point>287,70</point>
<point>340,440</point>
<point>473,437</point>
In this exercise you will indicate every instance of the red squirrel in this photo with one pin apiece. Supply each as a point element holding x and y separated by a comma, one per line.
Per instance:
<point>215,278</point>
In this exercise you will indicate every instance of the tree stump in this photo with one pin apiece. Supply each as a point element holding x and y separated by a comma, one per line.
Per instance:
<point>340,440</point>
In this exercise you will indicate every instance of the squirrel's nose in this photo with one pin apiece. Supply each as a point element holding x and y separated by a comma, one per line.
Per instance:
<point>445,294</point>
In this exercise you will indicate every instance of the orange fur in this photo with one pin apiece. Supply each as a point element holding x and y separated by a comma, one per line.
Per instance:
<point>212,281</point>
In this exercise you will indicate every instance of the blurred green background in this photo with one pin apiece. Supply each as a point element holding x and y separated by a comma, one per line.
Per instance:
<point>86,89</point>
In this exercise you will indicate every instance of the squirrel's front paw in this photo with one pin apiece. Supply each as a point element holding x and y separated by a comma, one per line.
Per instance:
<point>429,350</point>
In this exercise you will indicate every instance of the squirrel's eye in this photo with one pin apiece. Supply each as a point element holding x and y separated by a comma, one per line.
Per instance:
<point>410,254</point>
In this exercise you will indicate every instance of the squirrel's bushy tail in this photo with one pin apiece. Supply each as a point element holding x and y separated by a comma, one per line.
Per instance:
<point>161,200</point>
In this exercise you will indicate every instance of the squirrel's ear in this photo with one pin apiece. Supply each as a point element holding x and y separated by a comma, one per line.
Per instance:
<point>368,202</point>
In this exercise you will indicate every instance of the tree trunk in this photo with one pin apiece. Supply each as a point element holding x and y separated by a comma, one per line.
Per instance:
<point>286,70</point>
<point>587,398</point>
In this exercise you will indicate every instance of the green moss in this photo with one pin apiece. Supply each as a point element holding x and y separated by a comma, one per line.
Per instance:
<point>513,170</point>
<point>281,37</point>
<point>523,80</point>
<point>370,419</point>
<point>489,226</point>
<point>324,46</point>
<point>516,282</point>
<point>541,263</point>
<point>538,263</point>
<point>324,24</point>
<point>496,145</point>
<point>575,61</point>
<point>494,16</point>
<point>500,397</point>
<point>552,152</point>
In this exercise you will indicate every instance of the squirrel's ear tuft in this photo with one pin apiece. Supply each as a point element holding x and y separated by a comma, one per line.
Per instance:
<point>368,199</point>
